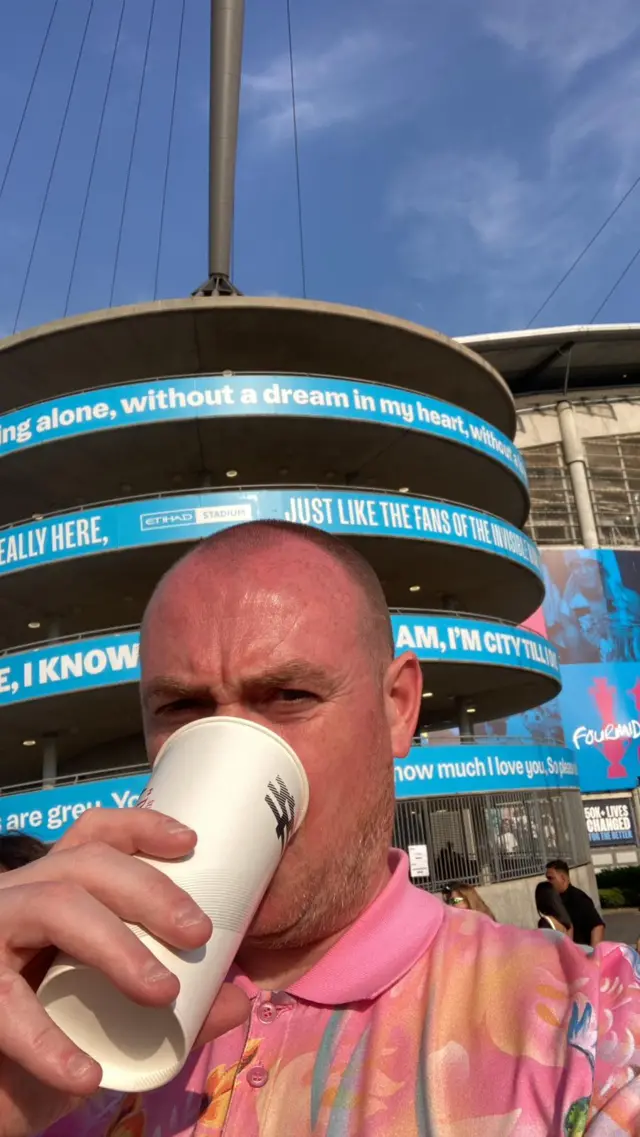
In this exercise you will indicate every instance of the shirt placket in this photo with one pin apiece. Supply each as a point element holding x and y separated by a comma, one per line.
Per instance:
<point>268,1026</point>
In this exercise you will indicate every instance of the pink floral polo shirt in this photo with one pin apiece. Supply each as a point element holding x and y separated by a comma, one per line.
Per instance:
<point>422,1021</point>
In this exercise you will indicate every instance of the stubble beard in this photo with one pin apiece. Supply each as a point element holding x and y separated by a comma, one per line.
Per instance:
<point>325,898</point>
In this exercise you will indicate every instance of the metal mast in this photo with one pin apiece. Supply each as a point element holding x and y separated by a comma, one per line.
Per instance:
<point>227,27</point>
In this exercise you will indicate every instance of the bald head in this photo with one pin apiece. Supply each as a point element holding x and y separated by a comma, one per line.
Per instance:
<point>288,627</point>
<point>246,543</point>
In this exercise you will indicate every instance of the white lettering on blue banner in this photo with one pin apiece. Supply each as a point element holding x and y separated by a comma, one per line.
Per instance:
<point>113,658</point>
<point>252,395</point>
<point>185,517</point>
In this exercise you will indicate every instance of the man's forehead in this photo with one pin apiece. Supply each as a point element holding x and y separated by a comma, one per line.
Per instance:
<point>285,575</point>
<point>199,617</point>
<point>284,558</point>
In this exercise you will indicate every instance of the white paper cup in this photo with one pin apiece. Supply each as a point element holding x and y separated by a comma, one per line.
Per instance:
<point>244,791</point>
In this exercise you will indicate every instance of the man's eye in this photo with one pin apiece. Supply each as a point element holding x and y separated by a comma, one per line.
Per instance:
<point>176,707</point>
<point>293,695</point>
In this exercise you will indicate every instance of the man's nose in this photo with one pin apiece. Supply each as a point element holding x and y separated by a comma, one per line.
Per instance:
<point>236,709</point>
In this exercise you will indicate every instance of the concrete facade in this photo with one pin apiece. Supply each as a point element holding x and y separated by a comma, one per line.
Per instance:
<point>595,418</point>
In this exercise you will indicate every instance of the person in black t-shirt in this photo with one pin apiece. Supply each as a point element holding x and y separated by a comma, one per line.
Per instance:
<point>588,925</point>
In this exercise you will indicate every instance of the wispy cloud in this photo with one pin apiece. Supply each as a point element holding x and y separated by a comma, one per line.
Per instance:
<point>476,218</point>
<point>508,222</point>
<point>340,84</point>
<point>602,125</point>
<point>565,35</point>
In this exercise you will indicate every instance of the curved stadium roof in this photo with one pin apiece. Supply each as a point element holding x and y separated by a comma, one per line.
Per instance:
<point>543,362</point>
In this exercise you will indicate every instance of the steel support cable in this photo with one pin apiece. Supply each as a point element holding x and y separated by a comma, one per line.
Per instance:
<point>96,148</point>
<point>629,265</point>
<point>585,250</point>
<point>296,150</point>
<point>172,119</point>
<point>134,137</point>
<point>34,79</point>
<point>54,164</point>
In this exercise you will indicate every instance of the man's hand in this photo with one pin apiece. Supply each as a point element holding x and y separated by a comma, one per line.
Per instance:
<point>597,935</point>
<point>75,899</point>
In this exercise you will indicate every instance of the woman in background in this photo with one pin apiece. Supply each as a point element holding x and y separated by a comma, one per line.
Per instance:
<point>551,910</point>
<point>464,896</point>
<point>18,849</point>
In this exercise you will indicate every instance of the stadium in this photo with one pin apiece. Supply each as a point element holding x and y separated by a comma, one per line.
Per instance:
<point>491,481</point>
<point>150,427</point>
<point>576,392</point>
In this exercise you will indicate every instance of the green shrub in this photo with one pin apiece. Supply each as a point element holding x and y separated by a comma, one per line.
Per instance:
<point>612,898</point>
<point>626,878</point>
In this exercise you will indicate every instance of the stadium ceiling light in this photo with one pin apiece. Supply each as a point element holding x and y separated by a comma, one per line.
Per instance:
<point>33,624</point>
<point>471,710</point>
<point>28,742</point>
<point>414,588</point>
<point>427,694</point>
<point>232,473</point>
<point>403,489</point>
<point>37,516</point>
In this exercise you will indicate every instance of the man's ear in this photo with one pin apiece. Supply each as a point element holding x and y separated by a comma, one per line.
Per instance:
<point>402,697</point>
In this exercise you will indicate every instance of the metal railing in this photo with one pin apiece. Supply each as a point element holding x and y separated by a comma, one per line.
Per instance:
<point>71,637</point>
<point>481,839</point>
<point>76,779</point>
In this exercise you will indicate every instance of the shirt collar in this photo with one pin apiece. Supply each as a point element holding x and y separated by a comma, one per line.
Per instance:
<point>381,946</point>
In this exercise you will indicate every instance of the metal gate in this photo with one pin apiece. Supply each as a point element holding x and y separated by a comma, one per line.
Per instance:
<point>484,838</point>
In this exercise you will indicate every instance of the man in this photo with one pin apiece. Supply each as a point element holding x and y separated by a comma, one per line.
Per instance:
<point>588,925</point>
<point>360,1006</point>
<point>507,839</point>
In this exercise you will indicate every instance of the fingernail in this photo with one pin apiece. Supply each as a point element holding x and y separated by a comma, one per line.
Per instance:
<point>155,972</point>
<point>175,829</point>
<point>189,916</point>
<point>79,1065</point>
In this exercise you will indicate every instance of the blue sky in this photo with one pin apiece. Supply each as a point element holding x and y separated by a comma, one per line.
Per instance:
<point>455,156</point>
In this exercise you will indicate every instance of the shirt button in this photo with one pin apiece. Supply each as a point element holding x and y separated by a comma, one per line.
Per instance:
<point>266,1012</point>
<point>257,1077</point>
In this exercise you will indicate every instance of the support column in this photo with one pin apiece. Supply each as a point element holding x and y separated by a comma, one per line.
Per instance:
<point>465,721</point>
<point>53,628</point>
<point>575,459</point>
<point>227,31</point>
<point>49,762</point>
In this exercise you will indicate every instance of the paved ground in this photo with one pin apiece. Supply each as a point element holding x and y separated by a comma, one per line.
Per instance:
<point>623,926</point>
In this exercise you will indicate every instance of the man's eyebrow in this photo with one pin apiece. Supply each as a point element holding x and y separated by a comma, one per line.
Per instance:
<point>295,671</point>
<point>174,688</point>
<point>284,675</point>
